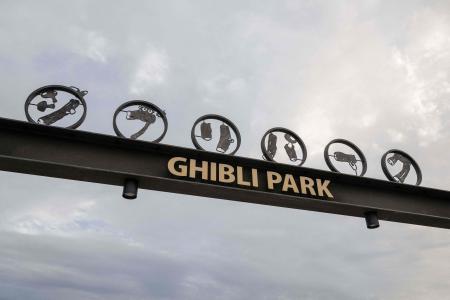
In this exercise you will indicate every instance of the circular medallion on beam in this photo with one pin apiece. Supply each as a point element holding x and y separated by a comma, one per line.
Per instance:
<point>215,133</point>
<point>294,148</point>
<point>140,119</point>
<point>341,153</point>
<point>399,162</point>
<point>56,105</point>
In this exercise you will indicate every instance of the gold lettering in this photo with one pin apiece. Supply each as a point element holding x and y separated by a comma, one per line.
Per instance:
<point>182,169</point>
<point>255,178</point>
<point>272,177</point>
<point>179,166</point>
<point>323,187</point>
<point>203,169</point>
<point>240,177</point>
<point>226,173</point>
<point>307,183</point>
<point>289,183</point>
<point>213,172</point>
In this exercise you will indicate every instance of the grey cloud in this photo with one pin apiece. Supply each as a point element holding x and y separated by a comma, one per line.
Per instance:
<point>373,72</point>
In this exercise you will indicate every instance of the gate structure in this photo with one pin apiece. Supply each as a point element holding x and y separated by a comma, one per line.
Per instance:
<point>78,155</point>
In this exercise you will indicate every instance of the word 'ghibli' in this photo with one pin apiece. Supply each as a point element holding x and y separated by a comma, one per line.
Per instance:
<point>224,173</point>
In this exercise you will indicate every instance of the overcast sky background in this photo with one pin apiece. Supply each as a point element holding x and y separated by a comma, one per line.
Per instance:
<point>374,72</point>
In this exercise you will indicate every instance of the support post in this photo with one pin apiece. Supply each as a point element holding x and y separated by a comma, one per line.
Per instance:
<point>130,189</point>
<point>372,219</point>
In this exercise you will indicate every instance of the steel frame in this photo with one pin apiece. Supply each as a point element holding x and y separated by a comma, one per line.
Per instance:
<point>92,157</point>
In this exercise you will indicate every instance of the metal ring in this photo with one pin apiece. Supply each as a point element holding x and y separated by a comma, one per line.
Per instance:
<point>71,90</point>
<point>219,118</point>
<point>353,147</point>
<point>161,113</point>
<point>266,154</point>
<point>413,162</point>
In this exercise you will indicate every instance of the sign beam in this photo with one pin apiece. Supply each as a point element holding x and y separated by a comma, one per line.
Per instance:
<point>86,156</point>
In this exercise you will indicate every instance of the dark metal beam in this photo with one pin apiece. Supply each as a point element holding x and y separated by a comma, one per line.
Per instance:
<point>85,156</point>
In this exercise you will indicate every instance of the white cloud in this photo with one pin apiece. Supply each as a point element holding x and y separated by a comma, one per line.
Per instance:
<point>151,70</point>
<point>375,73</point>
<point>425,61</point>
<point>96,47</point>
<point>75,219</point>
<point>396,136</point>
<point>89,43</point>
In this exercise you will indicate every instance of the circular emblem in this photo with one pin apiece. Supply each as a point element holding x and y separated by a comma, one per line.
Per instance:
<point>216,133</point>
<point>347,155</point>
<point>56,105</point>
<point>294,148</point>
<point>399,162</point>
<point>140,119</point>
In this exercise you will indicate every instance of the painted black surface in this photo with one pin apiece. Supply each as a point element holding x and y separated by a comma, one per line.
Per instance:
<point>85,156</point>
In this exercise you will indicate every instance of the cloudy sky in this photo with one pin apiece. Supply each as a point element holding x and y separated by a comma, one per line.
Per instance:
<point>374,72</point>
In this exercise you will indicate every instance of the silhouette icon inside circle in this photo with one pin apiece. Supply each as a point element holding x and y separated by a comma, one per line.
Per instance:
<point>289,147</point>
<point>397,157</point>
<point>272,145</point>
<point>206,131</point>
<point>294,148</point>
<point>401,176</point>
<point>357,161</point>
<point>56,105</point>
<point>146,114</point>
<point>216,130</point>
